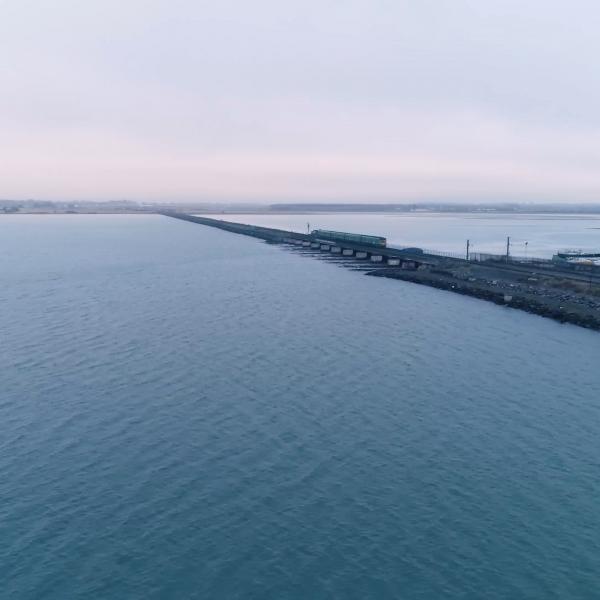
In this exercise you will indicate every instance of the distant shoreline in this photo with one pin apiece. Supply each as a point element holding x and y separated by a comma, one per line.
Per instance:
<point>34,206</point>
<point>416,213</point>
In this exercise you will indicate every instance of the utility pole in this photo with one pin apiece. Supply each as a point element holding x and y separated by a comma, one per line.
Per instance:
<point>507,248</point>
<point>468,246</point>
<point>307,228</point>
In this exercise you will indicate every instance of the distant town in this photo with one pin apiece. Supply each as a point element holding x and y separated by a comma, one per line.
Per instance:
<point>33,206</point>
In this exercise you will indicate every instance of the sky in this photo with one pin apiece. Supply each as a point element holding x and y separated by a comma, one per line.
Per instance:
<point>286,100</point>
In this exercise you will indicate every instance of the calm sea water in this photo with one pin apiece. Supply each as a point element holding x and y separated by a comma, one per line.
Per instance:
<point>187,413</point>
<point>531,235</point>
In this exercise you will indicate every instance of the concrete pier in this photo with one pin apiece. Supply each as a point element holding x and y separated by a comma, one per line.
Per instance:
<point>336,250</point>
<point>393,262</point>
<point>361,254</point>
<point>347,252</point>
<point>376,258</point>
<point>325,247</point>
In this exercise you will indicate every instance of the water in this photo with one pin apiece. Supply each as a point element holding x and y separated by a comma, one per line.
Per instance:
<point>531,235</point>
<point>188,413</point>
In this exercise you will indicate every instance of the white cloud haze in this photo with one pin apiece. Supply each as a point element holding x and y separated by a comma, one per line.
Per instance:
<point>300,100</point>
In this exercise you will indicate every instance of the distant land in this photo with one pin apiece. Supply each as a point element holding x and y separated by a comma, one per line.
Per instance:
<point>33,206</point>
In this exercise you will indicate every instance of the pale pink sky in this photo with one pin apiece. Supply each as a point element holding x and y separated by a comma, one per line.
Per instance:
<point>300,100</point>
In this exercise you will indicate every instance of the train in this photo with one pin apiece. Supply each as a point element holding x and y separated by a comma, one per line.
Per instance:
<point>354,238</point>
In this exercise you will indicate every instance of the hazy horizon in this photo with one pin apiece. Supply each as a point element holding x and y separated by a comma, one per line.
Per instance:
<point>300,102</point>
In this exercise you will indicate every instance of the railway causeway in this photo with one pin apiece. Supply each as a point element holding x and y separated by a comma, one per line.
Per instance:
<point>544,288</point>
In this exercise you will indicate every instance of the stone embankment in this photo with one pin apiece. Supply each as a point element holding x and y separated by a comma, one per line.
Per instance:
<point>539,297</point>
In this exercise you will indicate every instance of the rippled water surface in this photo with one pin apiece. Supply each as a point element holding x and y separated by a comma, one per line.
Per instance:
<point>188,413</point>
